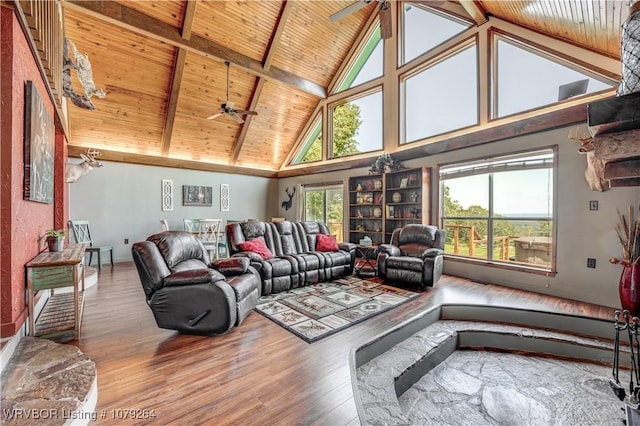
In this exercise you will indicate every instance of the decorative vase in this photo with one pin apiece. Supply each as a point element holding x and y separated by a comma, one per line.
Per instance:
<point>55,243</point>
<point>377,184</point>
<point>630,289</point>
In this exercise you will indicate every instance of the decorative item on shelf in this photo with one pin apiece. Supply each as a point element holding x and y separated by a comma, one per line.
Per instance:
<point>377,212</point>
<point>55,239</point>
<point>366,241</point>
<point>378,229</point>
<point>414,212</point>
<point>628,231</point>
<point>396,197</point>
<point>360,228</point>
<point>384,163</point>
<point>359,187</point>
<point>404,182</point>
<point>392,211</point>
<point>378,199</point>
<point>377,184</point>
<point>359,214</point>
<point>414,197</point>
<point>412,180</point>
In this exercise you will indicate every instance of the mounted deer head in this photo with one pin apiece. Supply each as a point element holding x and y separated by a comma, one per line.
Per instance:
<point>594,173</point>
<point>287,204</point>
<point>76,171</point>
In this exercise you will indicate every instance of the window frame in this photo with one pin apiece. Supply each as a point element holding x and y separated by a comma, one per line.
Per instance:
<point>560,59</point>
<point>469,42</point>
<point>343,100</point>
<point>490,218</point>
<point>322,187</point>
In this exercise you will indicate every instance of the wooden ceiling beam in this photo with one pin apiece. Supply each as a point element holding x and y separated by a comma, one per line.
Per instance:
<point>285,10</point>
<point>475,11</point>
<point>130,19</point>
<point>154,160</point>
<point>176,82</point>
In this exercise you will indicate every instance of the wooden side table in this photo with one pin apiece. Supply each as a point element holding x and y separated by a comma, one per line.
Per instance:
<point>368,254</point>
<point>51,270</point>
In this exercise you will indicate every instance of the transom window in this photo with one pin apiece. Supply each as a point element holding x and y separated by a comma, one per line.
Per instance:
<point>501,209</point>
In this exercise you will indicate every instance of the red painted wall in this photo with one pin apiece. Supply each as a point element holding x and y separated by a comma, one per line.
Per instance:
<point>21,222</point>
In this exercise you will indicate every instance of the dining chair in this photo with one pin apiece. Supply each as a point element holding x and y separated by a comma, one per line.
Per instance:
<point>191,225</point>
<point>82,234</point>
<point>209,234</point>
<point>165,224</point>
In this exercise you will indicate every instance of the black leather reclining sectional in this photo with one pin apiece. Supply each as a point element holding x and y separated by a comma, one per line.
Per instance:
<point>295,260</point>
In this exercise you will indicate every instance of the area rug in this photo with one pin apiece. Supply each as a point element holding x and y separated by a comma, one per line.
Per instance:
<point>317,311</point>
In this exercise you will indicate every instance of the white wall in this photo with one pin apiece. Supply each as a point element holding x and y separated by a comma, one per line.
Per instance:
<point>581,233</point>
<point>124,201</point>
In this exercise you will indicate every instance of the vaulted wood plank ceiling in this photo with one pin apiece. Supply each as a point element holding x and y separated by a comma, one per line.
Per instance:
<point>162,66</point>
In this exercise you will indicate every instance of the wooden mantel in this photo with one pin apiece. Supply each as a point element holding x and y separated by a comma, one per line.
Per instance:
<point>615,126</point>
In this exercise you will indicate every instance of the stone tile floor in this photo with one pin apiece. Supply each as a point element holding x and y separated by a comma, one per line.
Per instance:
<point>487,388</point>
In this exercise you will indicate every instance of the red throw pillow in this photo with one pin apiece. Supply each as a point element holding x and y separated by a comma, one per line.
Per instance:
<point>326,243</point>
<point>258,246</point>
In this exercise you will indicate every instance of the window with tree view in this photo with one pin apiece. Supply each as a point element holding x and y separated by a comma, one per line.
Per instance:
<point>357,125</point>
<point>325,204</point>
<point>501,209</point>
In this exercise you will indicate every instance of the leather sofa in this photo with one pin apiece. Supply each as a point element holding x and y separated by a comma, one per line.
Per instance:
<point>293,259</point>
<point>187,292</point>
<point>414,256</point>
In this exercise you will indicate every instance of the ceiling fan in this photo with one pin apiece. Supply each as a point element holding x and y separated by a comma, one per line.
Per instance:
<point>384,14</point>
<point>229,107</point>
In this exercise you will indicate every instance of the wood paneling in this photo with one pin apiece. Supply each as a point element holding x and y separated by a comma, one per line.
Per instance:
<point>168,11</point>
<point>314,46</point>
<point>244,26</point>
<point>594,24</point>
<point>258,373</point>
<point>203,90</point>
<point>282,113</point>
<point>130,117</point>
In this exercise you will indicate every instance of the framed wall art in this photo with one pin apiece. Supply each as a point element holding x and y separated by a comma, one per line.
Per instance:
<point>39,137</point>
<point>193,195</point>
<point>224,197</point>
<point>167,195</point>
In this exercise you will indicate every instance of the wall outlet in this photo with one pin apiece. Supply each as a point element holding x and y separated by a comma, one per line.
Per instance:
<point>593,205</point>
<point>126,241</point>
<point>591,263</point>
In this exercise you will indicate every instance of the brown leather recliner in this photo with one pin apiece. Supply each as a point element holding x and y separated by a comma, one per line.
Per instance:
<point>187,292</point>
<point>415,256</point>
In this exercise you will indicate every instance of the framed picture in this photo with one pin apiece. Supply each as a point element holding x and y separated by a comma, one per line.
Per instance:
<point>39,137</point>
<point>167,195</point>
<point>193,195</point>
<point>403,182</point>
<point>224,197</point>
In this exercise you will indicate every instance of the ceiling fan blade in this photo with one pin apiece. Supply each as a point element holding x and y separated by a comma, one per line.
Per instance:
<point>385,20</point>
<point>236,117</point>
<point>245,112</point>
<point>211,117</point>
<point>349,10</point>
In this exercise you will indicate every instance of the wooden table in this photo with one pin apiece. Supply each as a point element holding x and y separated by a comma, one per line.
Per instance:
<point>51,270</point>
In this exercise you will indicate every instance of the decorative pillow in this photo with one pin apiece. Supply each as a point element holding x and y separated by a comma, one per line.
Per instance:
<point>326,243</point>
<point>258,246</point>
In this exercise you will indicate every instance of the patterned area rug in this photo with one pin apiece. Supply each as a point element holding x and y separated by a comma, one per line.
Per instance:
<point>316,311</point>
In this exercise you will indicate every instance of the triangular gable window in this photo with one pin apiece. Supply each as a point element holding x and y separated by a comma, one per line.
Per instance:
<point>368,65</point>
<point>312,146</point>
<point>424,29</point>
<point>528,79</point>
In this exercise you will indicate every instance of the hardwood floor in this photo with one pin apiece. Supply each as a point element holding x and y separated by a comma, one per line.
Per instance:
<point>259,373</point>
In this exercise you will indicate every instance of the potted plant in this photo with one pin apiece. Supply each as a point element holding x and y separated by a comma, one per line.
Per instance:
<point>628,231</point>
<point>54,239</point>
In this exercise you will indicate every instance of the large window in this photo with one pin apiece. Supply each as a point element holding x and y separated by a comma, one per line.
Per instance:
<point>501,209</point>
<point>324,203</point>
<point>528,79</point>
<point>424,29</point>
<point>357,125</point>
<point>368,64</point>
<point>442,97</point>
<point>312,146</point>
